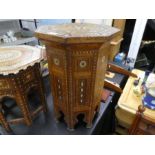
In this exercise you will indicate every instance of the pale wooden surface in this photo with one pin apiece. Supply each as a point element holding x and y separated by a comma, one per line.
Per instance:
<point>16,58</point>
<point>120,23</point>
<point>129,102</point>
<point>115,46</point>
<point>77,33</point>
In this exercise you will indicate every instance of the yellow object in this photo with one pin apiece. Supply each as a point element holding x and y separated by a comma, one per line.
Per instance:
<point>110,75</point>
<point>137,89</point>
<point>129,102</point>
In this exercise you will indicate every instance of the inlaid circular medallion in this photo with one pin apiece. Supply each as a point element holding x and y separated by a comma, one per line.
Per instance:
<point>56,61</point>
<point>83,64</point>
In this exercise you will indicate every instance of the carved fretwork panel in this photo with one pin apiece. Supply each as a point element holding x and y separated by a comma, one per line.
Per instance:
<point>9,93</point>
<point>4,84</point>
<point>27,77</point>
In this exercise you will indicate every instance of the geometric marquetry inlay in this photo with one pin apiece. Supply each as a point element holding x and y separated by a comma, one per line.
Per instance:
<point>59,90</point>
<point>82,92</point>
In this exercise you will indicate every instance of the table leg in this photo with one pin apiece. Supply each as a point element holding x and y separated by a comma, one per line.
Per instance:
<point>42,96</point>
<point>3,121</point>
<point>23,104</point>
<point>40,86</point>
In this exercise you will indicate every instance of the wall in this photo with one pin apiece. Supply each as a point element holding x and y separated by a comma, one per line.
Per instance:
<point>96,21</point>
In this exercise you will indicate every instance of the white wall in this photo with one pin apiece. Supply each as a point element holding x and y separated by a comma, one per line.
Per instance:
<point>136,39</point>
<point>6,25</point>
<point>96,21</point>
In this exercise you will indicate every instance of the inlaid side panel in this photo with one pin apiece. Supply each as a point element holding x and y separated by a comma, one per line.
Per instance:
<point>100,72</point>
<point>56,59</point>
<point>82,73</point>
<point>58,76</point>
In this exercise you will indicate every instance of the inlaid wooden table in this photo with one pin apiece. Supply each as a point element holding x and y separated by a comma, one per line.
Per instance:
<point>77,57</point>
<point>19,72</point>
<point>129,102</point>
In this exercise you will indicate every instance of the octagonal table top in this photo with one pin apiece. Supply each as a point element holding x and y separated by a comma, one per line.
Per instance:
<point>16,58</point>
<point>76,32</point>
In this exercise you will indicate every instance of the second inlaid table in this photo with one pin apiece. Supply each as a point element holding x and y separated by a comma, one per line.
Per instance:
<point>77,57</point>
<point>19,72</point>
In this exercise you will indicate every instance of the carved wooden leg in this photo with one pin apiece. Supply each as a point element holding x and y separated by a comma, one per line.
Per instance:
<point>70,125</point>
<point>89,118</point>
<point>97,109</point>
<point>40,86</point>
<point>42,96</point>
<point>71,122</point>
<point>4,123</point>
<point>57,114</point>
<point>23,104</point>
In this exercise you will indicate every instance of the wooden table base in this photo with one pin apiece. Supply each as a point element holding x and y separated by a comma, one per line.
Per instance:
<point>17,86</point>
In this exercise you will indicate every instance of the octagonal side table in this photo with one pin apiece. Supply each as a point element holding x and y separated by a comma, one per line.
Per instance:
<point>19,72</point>
<point>77,57</point>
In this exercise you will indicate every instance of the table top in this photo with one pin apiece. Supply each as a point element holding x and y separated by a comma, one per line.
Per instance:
<point>76,32</point>
<point>16,58</point>
<point>129,101</point>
